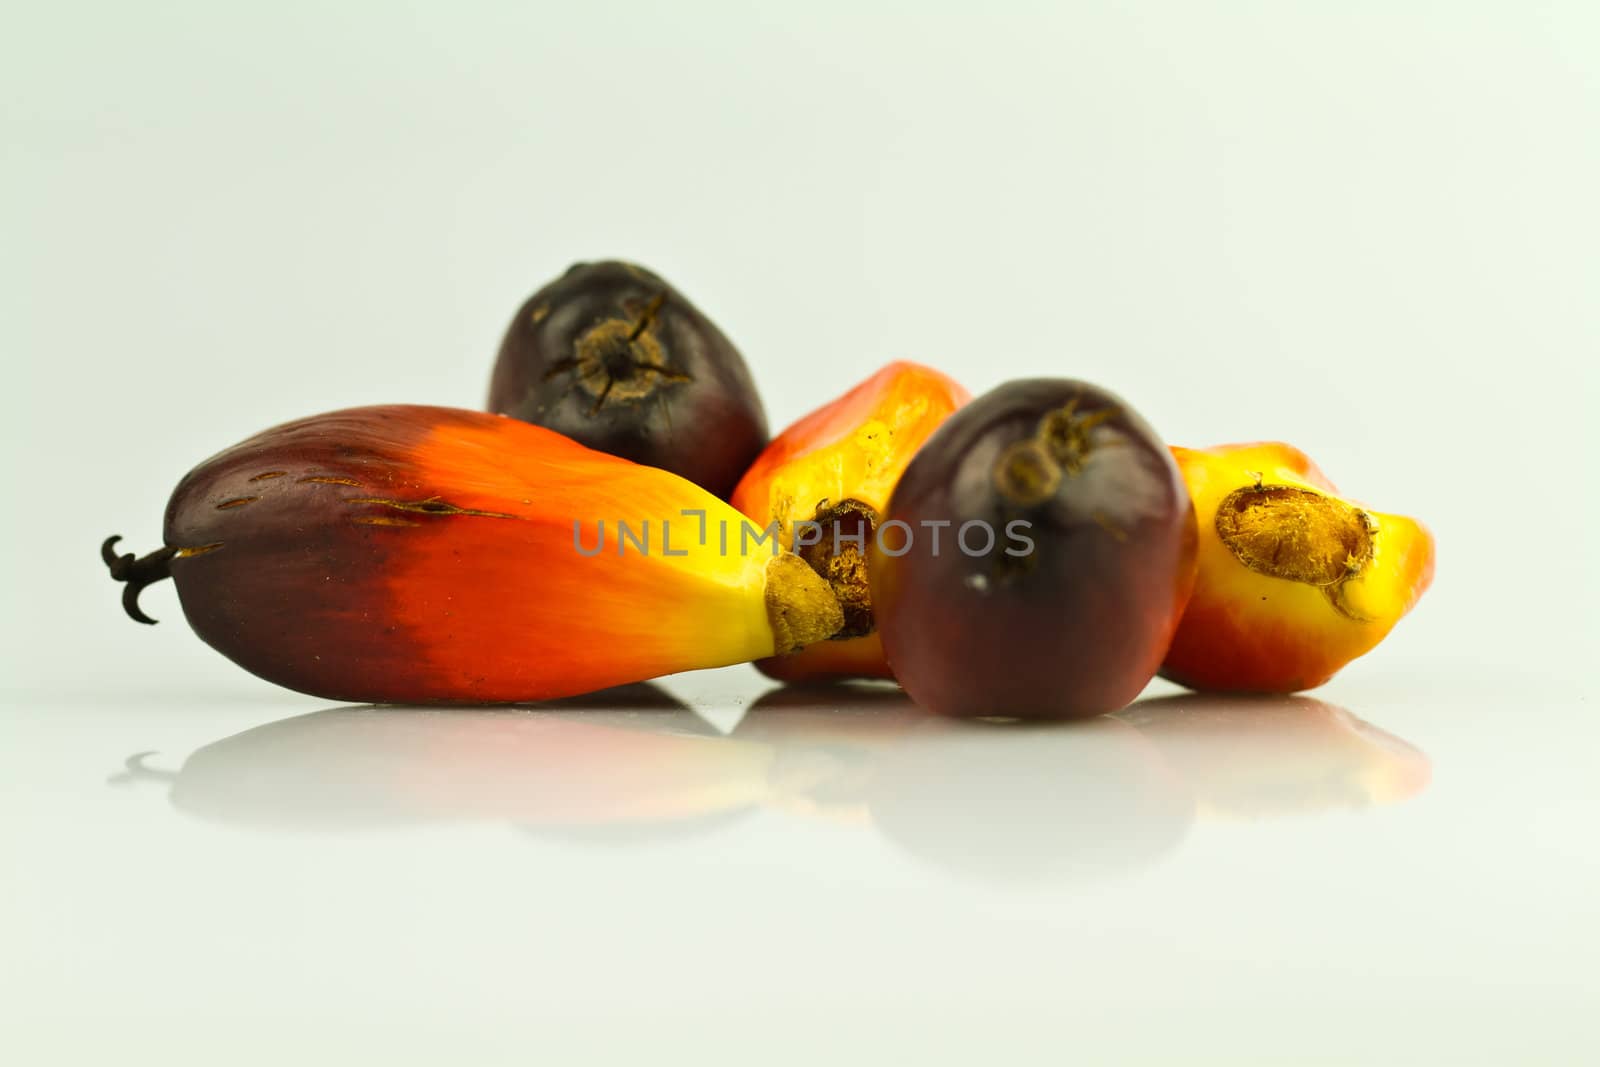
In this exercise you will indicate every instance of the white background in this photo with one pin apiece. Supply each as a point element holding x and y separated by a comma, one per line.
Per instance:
<point>1368,228</point>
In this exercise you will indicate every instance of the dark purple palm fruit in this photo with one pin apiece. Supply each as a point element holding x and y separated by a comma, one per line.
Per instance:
<point>613,357</point>
<point>1035,556</point>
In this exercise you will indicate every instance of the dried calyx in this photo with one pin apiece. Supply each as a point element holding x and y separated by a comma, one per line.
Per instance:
<point>839,557</point>
<point>1029,471</point>
<point>801,607</point>
<point>620,359</point>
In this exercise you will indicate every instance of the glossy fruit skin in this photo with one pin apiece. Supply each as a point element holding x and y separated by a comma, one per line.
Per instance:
<point>613,357</point>
<point>1078,626</point>
<point>854,448</point>
<point>407,554</point>
<point>1248,631</point>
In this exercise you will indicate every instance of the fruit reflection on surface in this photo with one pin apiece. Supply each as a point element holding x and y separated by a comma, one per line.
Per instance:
<point>1257,758</point>
<point>626,756</point>
<point>1002,800</point>
<point>1021,801</point>
<point>827,742</point>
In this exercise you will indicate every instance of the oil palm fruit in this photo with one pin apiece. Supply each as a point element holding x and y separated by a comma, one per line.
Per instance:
<point>407,554</point>
<point>612,356</point>
<point>1036,556</point>
<point>1294,580</point>
<point>831,473</point>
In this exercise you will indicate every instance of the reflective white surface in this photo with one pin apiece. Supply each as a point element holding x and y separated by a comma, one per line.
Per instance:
<point>715,870</point>
<point>1369,229</point>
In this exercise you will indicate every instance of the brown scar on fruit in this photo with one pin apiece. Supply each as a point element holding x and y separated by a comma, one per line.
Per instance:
<point>264,475</point>
<point>237,502</point>
<point>198,550</point>
<point>1299,535</point>
<point>382,520</point>
<point>323,479</point>
<point>1104,522</point>
<point>540,313</point>
<point>845,571</point>
<point>431,506</point>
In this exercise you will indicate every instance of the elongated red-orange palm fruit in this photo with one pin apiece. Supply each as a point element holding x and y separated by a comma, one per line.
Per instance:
<point>407,554</point>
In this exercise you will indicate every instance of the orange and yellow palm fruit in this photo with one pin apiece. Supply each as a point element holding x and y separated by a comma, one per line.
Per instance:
<point>836,468</point>
<point>405,554</point>
<point>1294,580</point>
